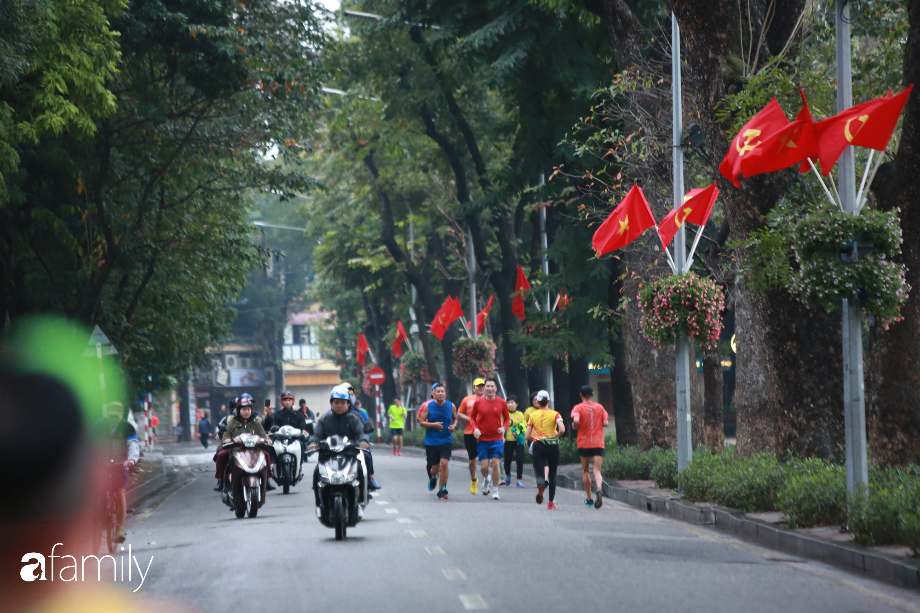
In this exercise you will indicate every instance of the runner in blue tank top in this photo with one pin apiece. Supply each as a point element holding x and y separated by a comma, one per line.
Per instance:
<point>439,418</point>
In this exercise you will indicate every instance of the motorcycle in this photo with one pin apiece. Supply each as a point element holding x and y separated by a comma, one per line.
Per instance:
<point>288,442</point>
<point>341,494</point>
<point>246,476</point>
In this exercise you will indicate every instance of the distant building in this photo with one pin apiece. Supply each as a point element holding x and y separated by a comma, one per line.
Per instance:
<point>236,369</point>
<point>306,372</point>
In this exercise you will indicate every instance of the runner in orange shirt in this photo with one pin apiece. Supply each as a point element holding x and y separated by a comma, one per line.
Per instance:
<point>469,441</point>
<point>590,419</point>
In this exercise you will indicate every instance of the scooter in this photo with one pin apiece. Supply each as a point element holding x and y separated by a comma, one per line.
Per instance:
<point>341,493</point>
<point>288,442</point>
<point>246,475</point>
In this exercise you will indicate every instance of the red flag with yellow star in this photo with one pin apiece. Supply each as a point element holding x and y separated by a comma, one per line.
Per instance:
<point>869,125</point>
<point>696,208</point>
<point>445,316</point>
<point>625,224</point>
<point>764,124</point>
<point>522,285</point>
<point>400,337</point>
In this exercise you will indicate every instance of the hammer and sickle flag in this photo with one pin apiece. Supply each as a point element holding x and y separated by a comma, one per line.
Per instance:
<point>868,125</point>
<point>625,224</point>
<point>789,146</point>
<point>445,316</point>
<point>696,209</point>
<point>770,120</point>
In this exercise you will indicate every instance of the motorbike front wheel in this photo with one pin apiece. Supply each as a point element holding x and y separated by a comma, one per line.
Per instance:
<point>338,517</point>
<point>286,478</point>
<point>252,504</point>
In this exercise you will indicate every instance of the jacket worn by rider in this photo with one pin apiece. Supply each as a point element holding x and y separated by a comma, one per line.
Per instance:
<point>236,427</point>
<point>331,424</point>
<point>288,417</point>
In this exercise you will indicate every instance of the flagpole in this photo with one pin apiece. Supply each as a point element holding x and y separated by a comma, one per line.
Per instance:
<point>865,174</point>
<point>682,376</point>
<point>475,333</point>
<point>861,201</point>
<point>853,382</point>
<point>830,178</point>
<point>823,184</point>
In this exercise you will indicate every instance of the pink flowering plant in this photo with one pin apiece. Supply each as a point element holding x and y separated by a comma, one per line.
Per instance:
<point>366,384</point>
<point>413,368</point>
<point>682,305</point>
<point>474,357</point>
<point>824,278</point>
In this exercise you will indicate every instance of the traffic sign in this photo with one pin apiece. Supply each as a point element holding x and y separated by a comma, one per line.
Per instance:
<point>377,376</point>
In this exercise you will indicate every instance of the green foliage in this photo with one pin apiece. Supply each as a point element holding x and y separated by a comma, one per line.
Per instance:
<point>814,493</point>
<point>681,306</point>
<point>766,254</point>
<point>823,280</point>
<point>748,484</point>
<point>664,472</point>
<point>888,512</point>
<point>629,463</point>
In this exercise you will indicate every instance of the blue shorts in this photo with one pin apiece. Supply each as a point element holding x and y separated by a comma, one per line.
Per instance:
<point>120,478</point>
<point>487,450</point>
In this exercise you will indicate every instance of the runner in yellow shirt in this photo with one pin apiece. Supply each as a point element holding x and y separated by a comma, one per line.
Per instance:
<point>397,413</point>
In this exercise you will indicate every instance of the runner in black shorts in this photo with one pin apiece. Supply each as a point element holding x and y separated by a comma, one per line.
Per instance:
<point>439,418</point>
<point>469,441</point>
<point>591,451</point>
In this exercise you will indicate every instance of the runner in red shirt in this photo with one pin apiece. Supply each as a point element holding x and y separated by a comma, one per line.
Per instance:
<point>590,419</point>
<point>489,418</point>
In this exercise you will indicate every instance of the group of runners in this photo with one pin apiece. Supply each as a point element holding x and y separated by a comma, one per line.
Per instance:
<point>494,427</point>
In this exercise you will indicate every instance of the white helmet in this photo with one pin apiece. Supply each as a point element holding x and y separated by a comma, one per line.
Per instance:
<point>340,392</point>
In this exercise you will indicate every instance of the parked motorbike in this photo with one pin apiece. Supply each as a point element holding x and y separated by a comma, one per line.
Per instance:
<point>288,442</point>
<point>341,494</point>
<point>246,475</point>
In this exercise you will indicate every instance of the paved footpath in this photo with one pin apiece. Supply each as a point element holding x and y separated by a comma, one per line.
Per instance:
<point>416,553</point>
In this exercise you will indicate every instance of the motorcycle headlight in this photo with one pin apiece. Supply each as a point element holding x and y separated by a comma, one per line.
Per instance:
<point>338,479</point>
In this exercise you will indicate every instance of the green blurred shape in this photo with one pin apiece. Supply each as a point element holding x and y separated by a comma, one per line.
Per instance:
<point>58,347</point>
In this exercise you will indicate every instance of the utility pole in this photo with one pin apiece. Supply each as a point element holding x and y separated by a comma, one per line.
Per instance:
<point>473,329</point>
<point>853,383</point>
<point>545,243</point>
<point>684,441</point>
<point>413,328</point>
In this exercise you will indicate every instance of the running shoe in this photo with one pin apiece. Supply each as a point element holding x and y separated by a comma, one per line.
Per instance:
<point>508,482</point>
<point>399,453</point>
<point>394,452</point>
<point>519,484</point>
<point>121,536</point>
<point>551,506</point>
<point>495,495</point>
<point>540,493</point>
<point>443,494</point>
<point>373,485</point>
<point>487,487</point>
<point>473,487</point>
<point>432,482</point>
<point>597,501</point>
<point>589,502</point>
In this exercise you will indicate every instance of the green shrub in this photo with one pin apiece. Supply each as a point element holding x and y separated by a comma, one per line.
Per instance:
<point>416,438</point>
<point>910,532</point>
<point>888,513</point>
<point>629,463</point>
<point>815,493</point>
<point>748,484</point>
<point>664,472</point>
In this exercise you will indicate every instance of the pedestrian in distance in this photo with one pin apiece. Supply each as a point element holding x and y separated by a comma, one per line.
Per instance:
<point>267,413</point>
<point>439,418</point>
<point>154,424</point>
<point>469,441</point>
<point>589,419</point>
<point>489,418</point>
<point>397,415</point>
<point>204,429</point>
<point>544,429</point>
<point>514,441</point>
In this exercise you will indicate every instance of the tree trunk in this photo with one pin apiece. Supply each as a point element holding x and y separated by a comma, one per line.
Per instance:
<point>624,417</point>
<point>893,367</point>
<point>713,437</point>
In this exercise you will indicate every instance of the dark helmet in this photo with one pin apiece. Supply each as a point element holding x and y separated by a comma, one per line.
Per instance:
<point>287,395</point>
<point>245,401</point>
<point>236,401</point>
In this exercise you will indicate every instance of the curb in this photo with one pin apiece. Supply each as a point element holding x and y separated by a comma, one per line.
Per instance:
<point>845,555</point>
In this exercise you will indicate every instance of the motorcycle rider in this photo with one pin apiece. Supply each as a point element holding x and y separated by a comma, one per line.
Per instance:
<point>287,416</point>
<point>241,422</point>
<point>372,485</point>
<point>341,421</point>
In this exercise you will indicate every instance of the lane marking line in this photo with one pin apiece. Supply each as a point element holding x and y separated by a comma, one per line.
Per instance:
<point>419,534</point>
<point>381,502</point>
<point>391,511</point>
<point>473,602</point>
<point>404,520</point>
<point>453,574</point>
<point>435,551</point>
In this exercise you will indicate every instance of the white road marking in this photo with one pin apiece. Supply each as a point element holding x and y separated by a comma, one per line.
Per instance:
<point>183,461</point>
<point>453,574</point>
<point>391,511</point>
<point>404,520</point>
<point>435,551</point>
<point>419,534</point>
<point>473,602</point>
<point>381,502</point>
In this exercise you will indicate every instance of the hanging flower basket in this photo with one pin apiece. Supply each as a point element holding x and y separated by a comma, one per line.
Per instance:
<point>366,384</point>
<point>413,368</point>
<point>684,305</point>
<point>843,256</point>
<point>474,357</point>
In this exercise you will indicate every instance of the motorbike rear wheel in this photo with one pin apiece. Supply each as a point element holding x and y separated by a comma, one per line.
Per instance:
<point>338,517</point>
<point>252,504</point>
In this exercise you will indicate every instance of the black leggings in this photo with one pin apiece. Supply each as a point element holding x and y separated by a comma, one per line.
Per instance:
<point>513,451</point>
<point>546,455</point>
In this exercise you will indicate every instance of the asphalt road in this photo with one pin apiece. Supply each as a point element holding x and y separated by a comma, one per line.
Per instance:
<point>413,553</point>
